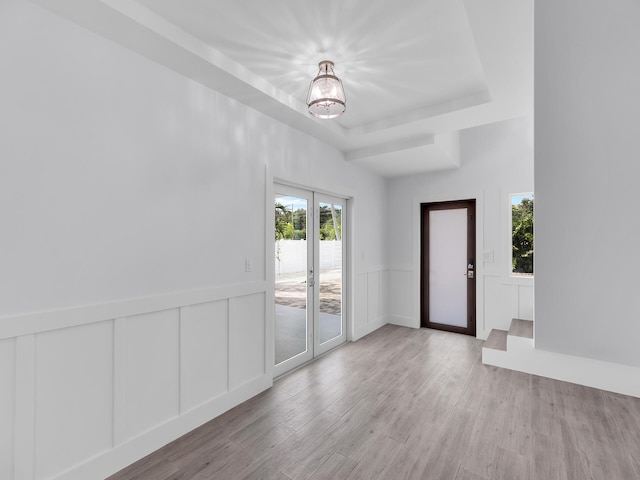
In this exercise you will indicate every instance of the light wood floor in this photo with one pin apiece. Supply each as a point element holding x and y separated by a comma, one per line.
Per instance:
<point>410,404</point>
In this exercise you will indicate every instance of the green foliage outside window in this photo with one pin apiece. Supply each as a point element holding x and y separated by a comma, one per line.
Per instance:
<point>292,225</point>
<point>330,222</point>
<point>522,236</point>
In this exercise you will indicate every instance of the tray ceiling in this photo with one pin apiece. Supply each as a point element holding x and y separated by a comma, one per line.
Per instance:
<point>415,72</point>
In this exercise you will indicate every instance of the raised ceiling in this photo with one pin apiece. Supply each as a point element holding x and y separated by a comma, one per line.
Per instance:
<point>415,72</point>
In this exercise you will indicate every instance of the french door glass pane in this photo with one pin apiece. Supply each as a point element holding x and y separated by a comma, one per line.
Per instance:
<point>448,267</point>
<point>291,277</point>
<point>330,274</point>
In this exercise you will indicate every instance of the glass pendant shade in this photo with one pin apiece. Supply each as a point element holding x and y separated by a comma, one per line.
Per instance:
<point>326,97</point>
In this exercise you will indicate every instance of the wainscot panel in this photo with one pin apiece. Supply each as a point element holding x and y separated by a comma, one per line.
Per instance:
<point>204,344</point>
<point>88,390</point>
<point>73,396</point>
<point>7,398</point>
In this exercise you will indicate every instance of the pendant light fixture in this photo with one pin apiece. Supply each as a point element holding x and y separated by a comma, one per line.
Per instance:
<point>326,97</point>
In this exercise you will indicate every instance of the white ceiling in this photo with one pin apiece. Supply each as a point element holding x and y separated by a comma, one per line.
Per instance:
<point>415,72</point>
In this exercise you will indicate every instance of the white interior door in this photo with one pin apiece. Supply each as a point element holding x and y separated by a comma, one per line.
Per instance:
<point>309,275</point>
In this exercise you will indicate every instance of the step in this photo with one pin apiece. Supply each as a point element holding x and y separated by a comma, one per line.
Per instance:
<point>497,340</point>
<point>521,328</point>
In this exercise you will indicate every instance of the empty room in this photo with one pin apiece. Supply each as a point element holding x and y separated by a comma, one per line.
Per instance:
<point>319,240</point>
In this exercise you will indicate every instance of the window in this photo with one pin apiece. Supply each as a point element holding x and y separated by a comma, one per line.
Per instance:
<point>522,234</point>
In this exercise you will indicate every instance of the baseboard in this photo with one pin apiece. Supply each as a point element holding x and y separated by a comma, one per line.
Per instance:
<point>613,377</point>
<point>403,321</point>
<point>369,328</point>
<point>111,461</point>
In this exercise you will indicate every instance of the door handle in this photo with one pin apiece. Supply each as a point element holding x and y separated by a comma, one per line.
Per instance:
<point>311,279</point>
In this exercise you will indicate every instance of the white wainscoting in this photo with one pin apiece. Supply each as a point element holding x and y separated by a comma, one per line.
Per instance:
<point>81,399</point>
<point>507,298</point>
<point>401,301</point>
<point>7,406</point>
<point>372,301</point>
<point>504,298</point>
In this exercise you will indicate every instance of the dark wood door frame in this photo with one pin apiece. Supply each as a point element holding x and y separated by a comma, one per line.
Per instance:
<point>425,208</point>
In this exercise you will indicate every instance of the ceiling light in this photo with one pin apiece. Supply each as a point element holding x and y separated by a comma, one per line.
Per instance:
<point>326,97</point>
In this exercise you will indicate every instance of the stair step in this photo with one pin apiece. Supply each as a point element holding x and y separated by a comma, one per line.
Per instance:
<point>497,340</point>
<point>521,328</point>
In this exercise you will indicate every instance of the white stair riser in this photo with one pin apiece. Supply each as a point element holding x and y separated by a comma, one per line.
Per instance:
<point>518,343</point>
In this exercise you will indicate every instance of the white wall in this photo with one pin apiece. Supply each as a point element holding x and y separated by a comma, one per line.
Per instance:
<point>121,183</point>
<point>496,160</point>
<point>586,172</point>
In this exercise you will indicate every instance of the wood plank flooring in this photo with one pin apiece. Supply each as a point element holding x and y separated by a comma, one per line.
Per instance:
<point>410,404</point>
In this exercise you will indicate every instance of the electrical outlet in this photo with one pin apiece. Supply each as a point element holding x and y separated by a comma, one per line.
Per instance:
<point>248,264</point>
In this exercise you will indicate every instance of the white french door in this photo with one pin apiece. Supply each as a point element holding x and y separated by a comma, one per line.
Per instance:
<point>309,275</point>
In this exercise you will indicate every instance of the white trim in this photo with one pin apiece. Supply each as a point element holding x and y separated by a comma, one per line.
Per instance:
<point>108,463</point>
<point>508,252</point>
<point>309,353</point>
<point>370,328</point>
<point>269,272</point>
<point>372,269</point>
<point>120,381</point>
<point>525,281</point>
<point>612,377</point>
<point>25,408</point>
<point>124,450</point>
<point>228,305</point>
<point>318,348</point>
<point>25,324</point>
<point>308,188</point>
<point>400,268</point>
<point>348,273</point>
<point>478,196</point>
<point>520,281</point>
<point>401,321</point>
<point>181,372</point>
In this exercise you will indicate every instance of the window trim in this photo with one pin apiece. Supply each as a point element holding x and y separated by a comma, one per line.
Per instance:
<point>518,278</point>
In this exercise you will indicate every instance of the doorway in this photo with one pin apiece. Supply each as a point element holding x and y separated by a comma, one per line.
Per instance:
<point>309,275</point>
<point>448,266</point>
